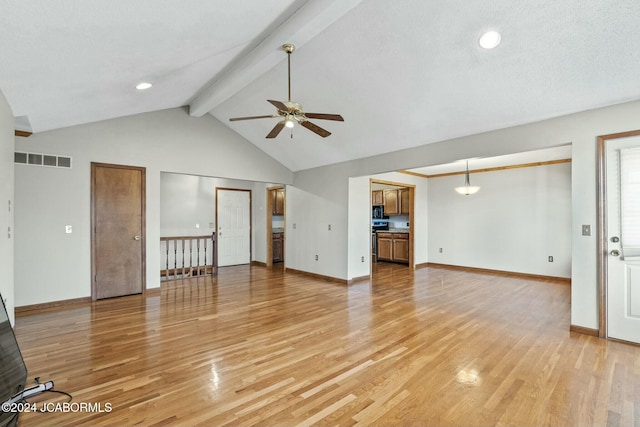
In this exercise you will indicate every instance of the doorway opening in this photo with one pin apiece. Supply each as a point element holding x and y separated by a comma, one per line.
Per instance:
<point>392,223</point>
<point>276,203</point>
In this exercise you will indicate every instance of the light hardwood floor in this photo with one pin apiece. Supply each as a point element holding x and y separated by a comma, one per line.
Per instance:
<point>271,348</point>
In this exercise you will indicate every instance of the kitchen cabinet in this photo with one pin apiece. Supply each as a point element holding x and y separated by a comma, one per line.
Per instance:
<point>278,247</point>
<point>403,197</point>
<point>377,198</point>
<point>393,247</point>
<point>385,247</point>
<point>401,249</point>
<point>391,202</point>
<point>278,202</point>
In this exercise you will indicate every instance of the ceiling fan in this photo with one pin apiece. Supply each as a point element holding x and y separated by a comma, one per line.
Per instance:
<point>291,112</point>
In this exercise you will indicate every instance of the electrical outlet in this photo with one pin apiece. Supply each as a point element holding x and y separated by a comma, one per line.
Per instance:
<point>440,250</point>
<point>362,259</point>
<point>329,227</point>
<point>550,258</point>
<point>316,257</point>
<point>294,225</point>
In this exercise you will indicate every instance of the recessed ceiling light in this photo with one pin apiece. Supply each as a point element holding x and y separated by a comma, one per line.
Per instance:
<point>489,40</point>
<point>143,86</point>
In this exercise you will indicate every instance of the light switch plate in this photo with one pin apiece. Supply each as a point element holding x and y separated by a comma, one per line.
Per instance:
<point>68,229</point>
<point>586,230</point>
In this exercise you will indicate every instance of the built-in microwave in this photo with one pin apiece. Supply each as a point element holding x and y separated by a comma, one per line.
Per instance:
<point>377,212</point>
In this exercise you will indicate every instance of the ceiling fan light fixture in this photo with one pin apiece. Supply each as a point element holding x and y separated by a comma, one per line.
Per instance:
<point>289,122</point>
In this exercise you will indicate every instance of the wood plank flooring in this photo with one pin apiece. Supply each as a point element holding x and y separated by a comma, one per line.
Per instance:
<point>259,347</point>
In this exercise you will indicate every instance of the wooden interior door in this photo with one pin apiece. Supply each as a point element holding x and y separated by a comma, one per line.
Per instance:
<point>118,230</point>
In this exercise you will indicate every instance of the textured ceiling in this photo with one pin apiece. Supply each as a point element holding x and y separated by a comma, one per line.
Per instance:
<point>402,74</point>
<point>67,62</point>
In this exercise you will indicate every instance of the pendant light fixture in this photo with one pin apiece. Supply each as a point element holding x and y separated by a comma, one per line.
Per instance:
<point>467,189</point>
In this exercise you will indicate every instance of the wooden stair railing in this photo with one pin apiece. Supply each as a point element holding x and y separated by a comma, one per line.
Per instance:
<point>187,256</point>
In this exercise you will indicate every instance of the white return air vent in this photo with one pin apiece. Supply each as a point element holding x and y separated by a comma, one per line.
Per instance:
<point>39,159</point>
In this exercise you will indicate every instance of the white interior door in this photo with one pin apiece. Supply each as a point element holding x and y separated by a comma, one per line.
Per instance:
<point>623,238</point>
<point>234,227</point>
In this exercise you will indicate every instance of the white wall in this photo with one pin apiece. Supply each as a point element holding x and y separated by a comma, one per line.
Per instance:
<point>6,199</point>
<point>359,230</point>
<point>309,212</point>
<point>516,221</point>
<point>259,221</point>
<point>187,205</point>
<point>327,188</point>
<point>51,265</point>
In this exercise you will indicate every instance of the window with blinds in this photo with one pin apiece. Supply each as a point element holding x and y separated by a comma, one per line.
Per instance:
<point>630,200</point>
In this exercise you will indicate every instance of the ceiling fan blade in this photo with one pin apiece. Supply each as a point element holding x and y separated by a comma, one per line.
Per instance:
<point>315,128</point>
<point>276,130</point>
<point>279,105</point>
<point>336,117</point>
<point>235,119</point>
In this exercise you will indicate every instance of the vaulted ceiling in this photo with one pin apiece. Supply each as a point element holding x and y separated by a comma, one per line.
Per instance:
<point>402,74</point>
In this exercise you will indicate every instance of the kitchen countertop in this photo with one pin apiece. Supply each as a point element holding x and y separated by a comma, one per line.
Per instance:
<point>277,230</point>
<point>397,230</point>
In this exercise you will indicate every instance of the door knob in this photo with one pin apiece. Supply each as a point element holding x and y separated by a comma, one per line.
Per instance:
<point>136,238</point>
<point>615,252</point>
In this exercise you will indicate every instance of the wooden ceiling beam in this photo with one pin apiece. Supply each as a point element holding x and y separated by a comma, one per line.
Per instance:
<point>23,133</point>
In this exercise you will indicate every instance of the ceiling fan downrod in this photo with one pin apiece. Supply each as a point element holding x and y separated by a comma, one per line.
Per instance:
<point>289,48</point>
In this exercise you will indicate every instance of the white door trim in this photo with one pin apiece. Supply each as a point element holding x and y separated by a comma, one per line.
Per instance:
<point>602,228</point>
<point>250,243</point>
